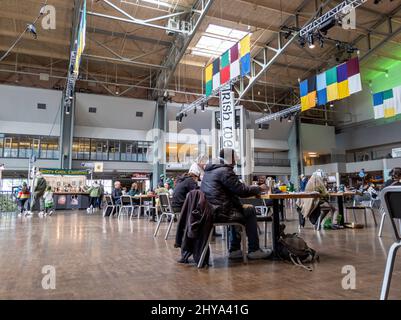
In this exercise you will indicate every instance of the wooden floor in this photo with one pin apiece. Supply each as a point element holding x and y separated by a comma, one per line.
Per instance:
<point>102,258</point>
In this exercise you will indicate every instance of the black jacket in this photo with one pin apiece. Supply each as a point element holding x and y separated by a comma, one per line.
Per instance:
<point>194,227</point>
<point>184,185</point>
<point>223,189</point>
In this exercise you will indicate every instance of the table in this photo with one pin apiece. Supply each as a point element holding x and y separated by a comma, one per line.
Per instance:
<point>141,197</point>
<point>277,197</point>
<point>340,201</point>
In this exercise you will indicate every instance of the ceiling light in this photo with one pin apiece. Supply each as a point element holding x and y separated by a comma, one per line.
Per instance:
<point>301,41</point>
<point>311,42</point>
<point>195,111</point>
<point>203,107</point>
<point>259,127</point>
<point>331,105</point>
<point>289,118</point>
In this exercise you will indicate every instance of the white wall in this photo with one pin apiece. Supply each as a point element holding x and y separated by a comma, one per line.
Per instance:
<point>113,112</point>
<point>19,112</point>
<point>22,164</point>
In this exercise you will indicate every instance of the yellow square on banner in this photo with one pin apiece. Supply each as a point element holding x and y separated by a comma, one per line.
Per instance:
<point>209,73</point>
<point>304,103</point>
<point>389,112</point>
<point>245,45</point>
<point>332,92</point>
<point>343,89</point>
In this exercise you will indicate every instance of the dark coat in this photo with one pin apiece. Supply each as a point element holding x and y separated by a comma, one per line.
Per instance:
<point>194,227</point>
<point>184,185</point>
<point>116,195</point>
<point>223,189</point>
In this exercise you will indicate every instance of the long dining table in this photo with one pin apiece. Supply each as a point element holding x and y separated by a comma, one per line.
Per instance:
<point>276,198</point>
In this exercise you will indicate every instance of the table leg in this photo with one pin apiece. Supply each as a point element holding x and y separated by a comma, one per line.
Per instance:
<point>275,226</point>
<point>340,203</point>
<point>282,210</point>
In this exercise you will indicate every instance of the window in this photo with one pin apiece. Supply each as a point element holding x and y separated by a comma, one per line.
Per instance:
<point>21,146</point>
<point>139,114</point>
<point>217,40</point>
<point>42,106</point>
<point>92,110</point>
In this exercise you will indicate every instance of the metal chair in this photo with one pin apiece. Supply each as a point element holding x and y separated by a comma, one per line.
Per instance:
<point>166,211</point>
<point>243,241</point>
<point>109,204</point>
<point>384,214</point>
<point>126,206</point>
<point>365,205</point>
<point>391,201</point>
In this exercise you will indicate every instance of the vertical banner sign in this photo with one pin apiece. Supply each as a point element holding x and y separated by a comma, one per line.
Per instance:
<point>227,116</point>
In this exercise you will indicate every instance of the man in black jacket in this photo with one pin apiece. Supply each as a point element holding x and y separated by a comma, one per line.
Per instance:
<point>117,193</point>
<point>223,189</point>
<point>185,184</point>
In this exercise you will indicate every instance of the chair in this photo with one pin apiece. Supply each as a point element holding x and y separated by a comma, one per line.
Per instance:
<point>221,224</point>
<point>391,201</point>
<point>109,205</point>
<point>262,212</point>
<point>126,206</point>
<point>364,205</point>
<point>166,211</point>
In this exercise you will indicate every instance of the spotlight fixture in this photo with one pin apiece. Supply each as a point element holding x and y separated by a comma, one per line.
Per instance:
<point>311,42</point>
<point>32,29</point>
<point>202,107</point>
<point>321,41</point>
<point>195,111</point>
<point>259,127</point>
<point>289,118</point>
<point>117,90</point>
<point>331,105</point>
<point>281,119</point>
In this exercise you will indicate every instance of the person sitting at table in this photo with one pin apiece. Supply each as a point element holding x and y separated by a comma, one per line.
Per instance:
<point>134,191</point>
<point>117,193</point>
<point>185,184</point>
<point>302,183</point>
<point>308,206</point>
<point>223,189</point>
<point>395,178</point>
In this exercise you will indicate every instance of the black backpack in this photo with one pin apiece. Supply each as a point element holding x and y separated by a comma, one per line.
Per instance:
<point>293,248</point>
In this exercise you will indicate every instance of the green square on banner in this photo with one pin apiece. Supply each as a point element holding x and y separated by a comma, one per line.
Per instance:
<point>388,94</point>
<point>225,59</point>
<point>209,88</point>
<point>331,76</point>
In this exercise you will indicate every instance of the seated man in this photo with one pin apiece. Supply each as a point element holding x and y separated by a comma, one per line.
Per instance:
<point>117,193</point>
<point>223,189</point>
<point>185,184</point>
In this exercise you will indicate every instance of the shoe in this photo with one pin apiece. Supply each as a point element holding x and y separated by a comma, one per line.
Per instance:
<point>259,254</point>
<point>88,210</point>
<point>41,214</point>
<point>336,227</point>
<point>51,212</point>
<point>28,213</point>
<point>236,254</point>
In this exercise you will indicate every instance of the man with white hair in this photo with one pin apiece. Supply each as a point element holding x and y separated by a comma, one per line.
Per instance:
<point>185,184</point>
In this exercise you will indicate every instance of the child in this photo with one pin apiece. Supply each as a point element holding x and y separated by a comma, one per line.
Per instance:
<point>49,204</point>
<point>23,196</point>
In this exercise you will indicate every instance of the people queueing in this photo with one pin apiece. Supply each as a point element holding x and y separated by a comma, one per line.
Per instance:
<point>39,189</point>
<point>49,202</point>
<point>94,194</point>
<point>223,189</point>
<point>23,197</point>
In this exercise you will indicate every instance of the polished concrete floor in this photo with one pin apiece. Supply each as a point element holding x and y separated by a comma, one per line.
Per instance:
<point>102,258</point>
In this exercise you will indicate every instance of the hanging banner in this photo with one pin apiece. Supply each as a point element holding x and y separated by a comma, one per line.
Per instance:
<point>227,116</point>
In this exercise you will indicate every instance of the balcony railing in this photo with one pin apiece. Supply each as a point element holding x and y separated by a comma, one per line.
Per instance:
<point>272,162</point>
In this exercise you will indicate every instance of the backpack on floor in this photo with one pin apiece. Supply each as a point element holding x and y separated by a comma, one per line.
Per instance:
<point>294,249</point>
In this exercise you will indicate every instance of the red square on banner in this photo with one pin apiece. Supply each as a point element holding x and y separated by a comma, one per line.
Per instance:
<point>225,75</point>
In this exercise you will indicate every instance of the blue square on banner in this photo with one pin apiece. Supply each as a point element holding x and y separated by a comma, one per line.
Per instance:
<point>322,97</point>
<point>378,99</point>
<point>303,88</point>
<point>245,64</point>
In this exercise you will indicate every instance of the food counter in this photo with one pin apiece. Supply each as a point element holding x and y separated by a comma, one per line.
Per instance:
<point>71,200</point>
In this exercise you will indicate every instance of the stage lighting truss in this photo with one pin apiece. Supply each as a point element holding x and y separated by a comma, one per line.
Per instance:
<point>337,12</point>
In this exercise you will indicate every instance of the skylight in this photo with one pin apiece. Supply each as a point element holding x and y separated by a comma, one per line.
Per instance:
<point>217,40</point>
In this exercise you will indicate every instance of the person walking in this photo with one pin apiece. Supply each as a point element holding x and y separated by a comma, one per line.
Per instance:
<point>23,197</point>
<point>39,189</point>
<point>49,202</point>
<point>94,193</point>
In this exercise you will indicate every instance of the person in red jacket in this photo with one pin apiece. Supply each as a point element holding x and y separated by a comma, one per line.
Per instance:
<point>23,196</point>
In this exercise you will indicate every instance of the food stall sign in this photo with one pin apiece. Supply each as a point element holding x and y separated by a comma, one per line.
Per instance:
<point>87,165</point>
<point>63,172</point>
<point>140,176</point>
